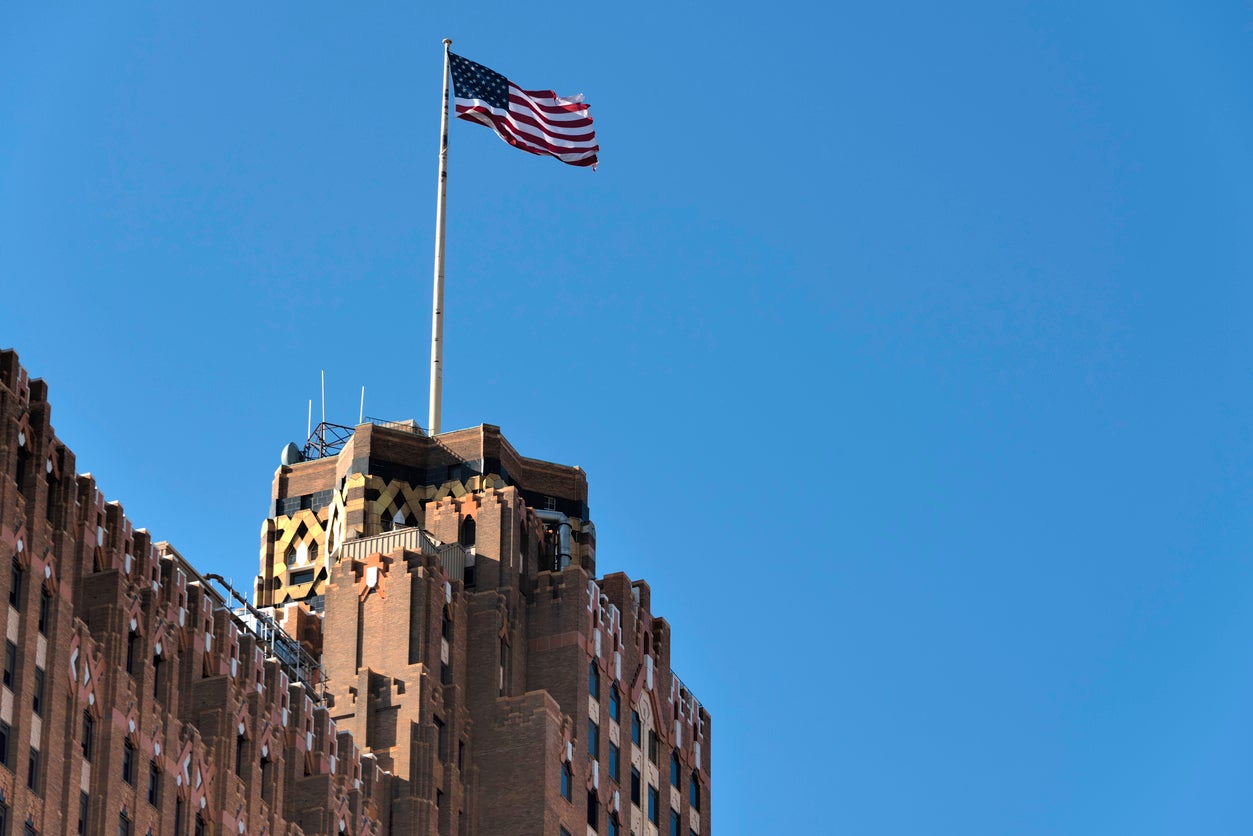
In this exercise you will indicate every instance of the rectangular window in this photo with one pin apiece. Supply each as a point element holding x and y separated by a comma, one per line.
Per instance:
<point>10,664</point>
<point>4,819</point>
<point>5,738</point>
<point>614,757</point>
<point>132,639</point>
<point>593,810</point>
<point>199,825</point>
<point>593,739</point>
<point>89,736</point>
<point>614,703</point>
<point>635,786</point>
<point>441,740</point>
<point>674,823</point>
<point>461,756</point>
<point>445,675</point>
<point>179,815</point>
<point>83,801</point>
<point>17,579</point>
<point>654,805</point>
<point>128,762</point>
<point>567,781</point>
<point>37,701</point>
<point>45,611</point>
<point>612,829</point>
<point>652,745</point>
<point>635,727</point>
<point>154,783</point>
<point>32,770</point>
<point>123,825</point>
<point>693,792</point>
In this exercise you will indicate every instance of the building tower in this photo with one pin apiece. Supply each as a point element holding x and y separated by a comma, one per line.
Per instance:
<point>467,644</point>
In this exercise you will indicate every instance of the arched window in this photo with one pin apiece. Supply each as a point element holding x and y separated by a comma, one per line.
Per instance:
<point>693,792</point>
<point>615,703</point>
<point>674,769</point>
<point>467,532</point>
<point>567,781</point>
<point>593,680</point>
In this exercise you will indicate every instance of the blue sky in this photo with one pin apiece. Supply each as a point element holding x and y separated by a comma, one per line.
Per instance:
<point>906,348</point>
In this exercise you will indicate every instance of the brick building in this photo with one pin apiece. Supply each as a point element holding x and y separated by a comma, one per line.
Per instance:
<point>429,651</point>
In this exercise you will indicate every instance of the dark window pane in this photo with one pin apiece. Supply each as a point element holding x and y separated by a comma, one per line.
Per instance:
<point>89,736</point>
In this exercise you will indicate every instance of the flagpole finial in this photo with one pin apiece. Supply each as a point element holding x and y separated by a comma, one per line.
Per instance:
<point>447,42</point>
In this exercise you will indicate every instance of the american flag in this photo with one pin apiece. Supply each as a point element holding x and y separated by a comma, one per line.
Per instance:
<point>537,121</point>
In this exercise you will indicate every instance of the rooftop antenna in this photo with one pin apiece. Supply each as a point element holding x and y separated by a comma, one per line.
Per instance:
<point>361,414</point>
<point>324,396</point>
<point>309,421</point>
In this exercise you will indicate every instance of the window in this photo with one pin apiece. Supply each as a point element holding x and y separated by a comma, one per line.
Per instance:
<point>674,769</point>
<point>89,736</point>
<point>156,677</point>
<point>693,791</point>
<point>32,770</point>
<point>17,579</point>
<point>267,781</point>
<point>179,816</point>
<point>593,739</point>
<point>29,830</point>
<point>654,805</point>
<point>240,740</point>
<point>441,740</point>
<point>614,703</point>
<point>614,757</point>
<point>10,664</point>
<point>37,701</point>
<point>45,611</point>
<point>593,680</point>
<point>467,532</point>
<point>445,675</point>
<point>83,801</point>
<point>564,832</point>
<point>612,828</point>
<point>652,745</point>
<point>128,762</point>
<point>132,642</point>
<point>154,784</point>
<point>123,825</point>
<point>635,727</point>
<point>4,819</point>
<point>461,756</point>
<point>200,828</point>
<point>5,736</point>
<point>674,823</point>
<point>593,810</point>
<point>567,781</point>
<point>635,786</point>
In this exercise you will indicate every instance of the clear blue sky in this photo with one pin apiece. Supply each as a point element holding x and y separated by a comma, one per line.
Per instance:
<point>906,347</point>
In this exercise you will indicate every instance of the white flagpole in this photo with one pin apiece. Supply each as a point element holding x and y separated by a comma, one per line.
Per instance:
<point>437,306</point>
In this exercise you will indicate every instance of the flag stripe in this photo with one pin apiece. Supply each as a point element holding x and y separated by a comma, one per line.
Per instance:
<point>509,128</point>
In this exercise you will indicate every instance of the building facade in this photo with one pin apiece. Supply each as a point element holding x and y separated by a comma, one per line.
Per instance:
<point>428,651</point>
